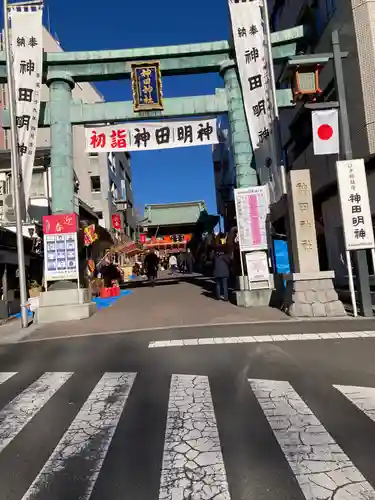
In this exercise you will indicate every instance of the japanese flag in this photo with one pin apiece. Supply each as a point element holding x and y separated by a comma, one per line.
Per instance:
<point>325,126</point>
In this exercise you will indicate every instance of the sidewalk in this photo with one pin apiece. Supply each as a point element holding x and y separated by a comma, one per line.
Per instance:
<point>12,331</point>
<point>170,303</point>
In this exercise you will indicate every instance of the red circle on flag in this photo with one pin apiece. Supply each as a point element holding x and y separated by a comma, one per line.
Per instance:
<point>325,132</point>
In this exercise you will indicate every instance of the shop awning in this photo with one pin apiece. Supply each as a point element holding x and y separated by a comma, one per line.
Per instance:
<point>129,248</point>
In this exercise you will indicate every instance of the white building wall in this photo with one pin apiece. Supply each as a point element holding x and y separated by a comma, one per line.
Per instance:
<point>355,21</point>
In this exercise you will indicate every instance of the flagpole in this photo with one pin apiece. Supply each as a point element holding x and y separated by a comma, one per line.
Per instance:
<point>16,170</point>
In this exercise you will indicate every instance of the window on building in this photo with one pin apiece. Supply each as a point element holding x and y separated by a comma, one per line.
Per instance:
<point>37,184</point>
<point>123,189</point>
<point>330,8</point>
<point>319,20</point>
<point>122,168</point>
<point>312,18</point>
<point>95,184</point>
<point>301,133</point>
<point>93,155</point>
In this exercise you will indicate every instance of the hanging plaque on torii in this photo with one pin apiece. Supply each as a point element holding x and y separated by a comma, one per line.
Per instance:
<point>146,86</point>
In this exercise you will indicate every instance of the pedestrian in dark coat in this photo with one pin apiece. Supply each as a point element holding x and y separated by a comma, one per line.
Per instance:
<point>221,259</point>
<point>189,261</point>
<point>151,266</point>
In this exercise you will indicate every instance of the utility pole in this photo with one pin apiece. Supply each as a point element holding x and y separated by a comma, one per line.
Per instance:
<point>16,170</point>
<point>346,153</point>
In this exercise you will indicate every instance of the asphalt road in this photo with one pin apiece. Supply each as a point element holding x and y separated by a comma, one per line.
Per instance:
<point>106,417</point>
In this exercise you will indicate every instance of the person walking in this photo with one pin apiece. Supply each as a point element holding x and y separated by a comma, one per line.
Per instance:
<point>189,261</point>
<point>221,261</point>
<point>151,264</point>
<point>173,264</point>
<point>181,262</point>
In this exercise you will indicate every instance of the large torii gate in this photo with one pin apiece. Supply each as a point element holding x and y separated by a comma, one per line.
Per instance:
<point>62,70</point>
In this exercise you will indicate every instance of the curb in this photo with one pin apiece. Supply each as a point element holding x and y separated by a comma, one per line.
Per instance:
<point>177,327</point>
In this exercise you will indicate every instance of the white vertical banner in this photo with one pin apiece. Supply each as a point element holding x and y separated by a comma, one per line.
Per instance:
<point>253,63</point>
<point>27,49</point>
<point>355,205</point>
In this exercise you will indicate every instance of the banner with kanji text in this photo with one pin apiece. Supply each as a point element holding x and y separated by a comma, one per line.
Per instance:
<point>148,136</point>
<point>27,50</point>
<point>250,42</point>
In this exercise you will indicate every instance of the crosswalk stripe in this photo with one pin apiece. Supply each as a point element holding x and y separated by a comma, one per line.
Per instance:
<point>4,376</point>
<point>279,337</point>
<point>320,466</point>
<point>16,415</point>
<point>86,442</point>
<point>193,465</point>
<point>362,397</point>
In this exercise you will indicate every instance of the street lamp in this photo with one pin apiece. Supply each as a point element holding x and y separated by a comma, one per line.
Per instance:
<point>304,71</point>
<point>306,81</point>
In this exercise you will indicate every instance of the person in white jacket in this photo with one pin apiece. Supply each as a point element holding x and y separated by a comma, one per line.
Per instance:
<point>173,264</point>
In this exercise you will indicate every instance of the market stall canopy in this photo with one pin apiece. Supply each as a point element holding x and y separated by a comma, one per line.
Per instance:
<point>129,248</point>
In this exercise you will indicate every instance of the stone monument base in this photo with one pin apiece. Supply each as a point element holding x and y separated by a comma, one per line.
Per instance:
<point>64,305</point>
<point>253,298</point>
<point>312,295</point>
<point>256,297</point>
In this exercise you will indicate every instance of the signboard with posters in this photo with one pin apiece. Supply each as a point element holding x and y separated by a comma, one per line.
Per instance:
<point>252,208</point>
<point>355,205</point>
<point>60,247</point>
<point>257,269</point>
<point>27,48</point>
<point>89,235</point>
<point>253,63</point>
<point>149,136</point>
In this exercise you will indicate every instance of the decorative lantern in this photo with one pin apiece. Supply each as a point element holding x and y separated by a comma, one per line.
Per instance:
<point>306,81</point>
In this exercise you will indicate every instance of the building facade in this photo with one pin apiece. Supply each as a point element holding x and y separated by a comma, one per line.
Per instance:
<point>100,181</point>
<point>109,183</point>
<point>355,22</point>
<point>224,175</point>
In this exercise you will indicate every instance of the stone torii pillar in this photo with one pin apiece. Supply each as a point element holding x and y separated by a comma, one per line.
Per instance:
<point>246,176</point>
<point>240,139</point>
<point>62,174</point>
<point>63,299</point>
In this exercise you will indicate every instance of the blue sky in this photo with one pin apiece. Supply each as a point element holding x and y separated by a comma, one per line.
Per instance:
<point>158,176</point>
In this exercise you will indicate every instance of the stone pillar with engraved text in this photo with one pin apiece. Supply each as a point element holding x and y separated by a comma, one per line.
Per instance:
<point>309,291</point>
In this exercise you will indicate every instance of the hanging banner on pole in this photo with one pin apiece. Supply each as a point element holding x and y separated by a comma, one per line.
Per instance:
<point>250,43</point>
<point>148,136</point>
<point>325,128</point>
<point>355,205</point>
<point>27,50</point>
